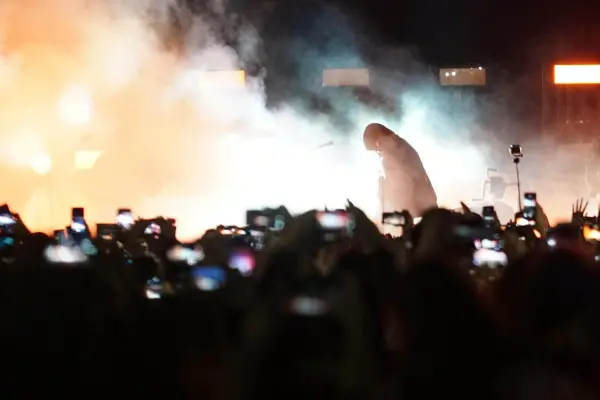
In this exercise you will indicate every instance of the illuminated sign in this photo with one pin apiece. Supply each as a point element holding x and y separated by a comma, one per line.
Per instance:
<point>346,77</point>
<point>577,74</point>
<point>462,76</point>
<point>222,79</point>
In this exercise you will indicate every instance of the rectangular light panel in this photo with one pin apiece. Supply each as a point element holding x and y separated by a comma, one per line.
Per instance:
<point>577,74</point>
<point>346,77</point>
<point>463,76</point>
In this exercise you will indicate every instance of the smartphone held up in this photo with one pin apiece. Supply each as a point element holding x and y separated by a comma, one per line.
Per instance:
<point>529,207</point>
<point>125,218</point>
<point>266,219</point>
<point>78,225</point>
<point>335,225</point>
<point>394,218</point>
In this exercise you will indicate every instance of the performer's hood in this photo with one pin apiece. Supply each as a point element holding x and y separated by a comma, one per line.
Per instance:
<point>373,133</point>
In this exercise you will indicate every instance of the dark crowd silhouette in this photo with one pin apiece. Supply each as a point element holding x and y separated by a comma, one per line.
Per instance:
<point>317,305</point>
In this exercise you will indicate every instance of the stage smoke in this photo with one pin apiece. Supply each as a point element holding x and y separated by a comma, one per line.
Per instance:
<point>155,103</point>
<point>81,77</point>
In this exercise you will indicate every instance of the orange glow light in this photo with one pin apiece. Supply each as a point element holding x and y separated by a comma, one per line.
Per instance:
<point>577,74</point>
<point>223,79</point>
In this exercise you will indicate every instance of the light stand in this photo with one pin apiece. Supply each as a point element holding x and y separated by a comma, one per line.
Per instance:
<point>516,161</point>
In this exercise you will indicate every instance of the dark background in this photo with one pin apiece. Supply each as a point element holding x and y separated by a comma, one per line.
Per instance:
<point>517,41</point>
<point>451,31</point>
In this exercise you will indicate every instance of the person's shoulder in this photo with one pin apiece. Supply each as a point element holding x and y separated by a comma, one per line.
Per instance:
<point>401,143</point>
<point>407,149</point>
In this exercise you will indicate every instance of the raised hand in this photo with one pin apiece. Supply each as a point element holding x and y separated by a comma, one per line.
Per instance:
<point>579,211</point>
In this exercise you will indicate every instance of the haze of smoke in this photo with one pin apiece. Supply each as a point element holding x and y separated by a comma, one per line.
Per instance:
<point>459,135</point>
<point>202,155</point>
<point>441,125</point>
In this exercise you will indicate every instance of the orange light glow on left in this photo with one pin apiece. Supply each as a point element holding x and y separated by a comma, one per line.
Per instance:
<point>577,74</point>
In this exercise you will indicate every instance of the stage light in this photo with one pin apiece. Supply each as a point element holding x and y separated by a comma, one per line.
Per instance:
<point>76,107</point>
<point>346,77</point>
<point>41,164</point>
<point>222,79</point>
<point>577,74</point>
<point>475,76</point>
